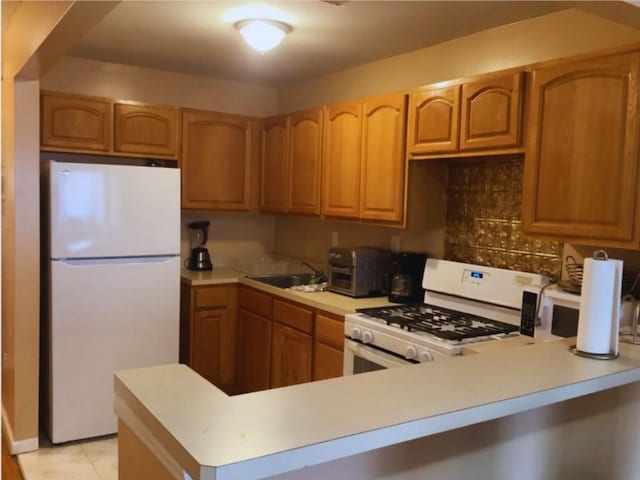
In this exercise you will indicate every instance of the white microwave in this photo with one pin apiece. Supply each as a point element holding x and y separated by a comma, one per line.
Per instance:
<point>549,313</point>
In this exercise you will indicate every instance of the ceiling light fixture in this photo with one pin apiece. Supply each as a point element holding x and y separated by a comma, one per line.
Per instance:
<point>263,34</point>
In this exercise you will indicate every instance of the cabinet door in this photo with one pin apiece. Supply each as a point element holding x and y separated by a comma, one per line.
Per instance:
<point>76,123</point>
<point>290,356</point>
<point>254,351</point>
<point>216,155</point>
<point>434,117</point>
<point>275,185</point>
<point>305,161</point>
<point>491,112</point>
<point>328,347</point>
<point>581,168</point>
<point>146,130</point>
<point>383,161</point>
<point>327,361</point>
<point>214,346</point>
<point>341,160</point>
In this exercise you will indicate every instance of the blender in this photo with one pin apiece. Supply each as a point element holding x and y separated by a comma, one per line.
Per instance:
<point>199,259</point>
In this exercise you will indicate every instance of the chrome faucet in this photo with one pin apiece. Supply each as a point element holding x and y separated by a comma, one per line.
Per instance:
<point>317,276</point>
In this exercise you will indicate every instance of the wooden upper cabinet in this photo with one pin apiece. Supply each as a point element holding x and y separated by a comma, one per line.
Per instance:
<point>581,168</point>
<point>305,161</point>
<point>275,174</point>
<point>491,110</point>
<point>434,120</point>
<point>73,122</point>
<point>341,160</point>
<point>216,160</point>
<point>383,161</point>
<point>146,129</point>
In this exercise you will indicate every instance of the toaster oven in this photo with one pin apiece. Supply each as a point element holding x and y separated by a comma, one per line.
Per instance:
<point>359,271</point>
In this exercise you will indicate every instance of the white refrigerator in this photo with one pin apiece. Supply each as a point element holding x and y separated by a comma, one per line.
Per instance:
<point>114,286</point>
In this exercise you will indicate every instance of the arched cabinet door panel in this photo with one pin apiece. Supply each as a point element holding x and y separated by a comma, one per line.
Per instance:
<point>146,129</point>
<point>74,122</point>
<point>581,168</point>
<point>491,111</point>
<point>434,120</point>
<point>383,162</point>
<point>341,160</point>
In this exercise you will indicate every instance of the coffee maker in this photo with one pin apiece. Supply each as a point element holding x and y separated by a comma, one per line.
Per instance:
<point>407,269</point>
<point>199,259</point>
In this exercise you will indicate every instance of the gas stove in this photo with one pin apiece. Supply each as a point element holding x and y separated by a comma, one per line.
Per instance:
<point>463,304</point>
<point>442,323</point>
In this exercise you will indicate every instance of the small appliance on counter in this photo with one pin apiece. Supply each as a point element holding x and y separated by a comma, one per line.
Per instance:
<point>359,271</point>
<point>199,260</point>
<point>407,269</point>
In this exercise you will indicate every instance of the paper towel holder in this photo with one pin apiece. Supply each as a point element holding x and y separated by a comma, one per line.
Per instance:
<point>598,356</point>
<point>602,256</point>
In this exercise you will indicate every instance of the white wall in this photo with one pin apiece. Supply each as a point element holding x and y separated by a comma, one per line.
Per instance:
<point>126,82</point>
<point>560,34</point>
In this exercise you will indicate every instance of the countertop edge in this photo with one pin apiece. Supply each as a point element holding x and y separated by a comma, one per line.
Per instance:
<point>335,449</point>
<point>330,302</point>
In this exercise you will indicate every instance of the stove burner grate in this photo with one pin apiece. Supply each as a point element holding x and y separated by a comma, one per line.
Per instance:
<point>438,321</point>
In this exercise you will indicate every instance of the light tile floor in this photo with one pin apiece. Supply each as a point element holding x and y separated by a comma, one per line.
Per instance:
<point>91,460</point>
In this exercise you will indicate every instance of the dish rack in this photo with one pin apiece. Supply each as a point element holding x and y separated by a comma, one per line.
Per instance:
<point>575,270</point>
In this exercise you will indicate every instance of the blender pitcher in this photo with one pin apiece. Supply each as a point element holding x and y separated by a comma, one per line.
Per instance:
<point>199,259</point>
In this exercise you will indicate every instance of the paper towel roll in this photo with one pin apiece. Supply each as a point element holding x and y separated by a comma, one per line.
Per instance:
<point>599,306</point>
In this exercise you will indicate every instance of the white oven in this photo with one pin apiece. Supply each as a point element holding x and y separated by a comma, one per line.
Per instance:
<point>360,358</point>
<point>463,304</point>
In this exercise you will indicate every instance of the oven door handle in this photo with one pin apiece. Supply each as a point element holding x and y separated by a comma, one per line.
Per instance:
<point>376,356</point>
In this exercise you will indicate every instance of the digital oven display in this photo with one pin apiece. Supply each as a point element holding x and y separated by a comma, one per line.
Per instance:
<point>478,275</point>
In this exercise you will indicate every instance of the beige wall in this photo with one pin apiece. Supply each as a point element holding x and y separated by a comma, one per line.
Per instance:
<point>559,34</point>
<point>539,39</point>
<point>125,82</point>
<point>30,24</point>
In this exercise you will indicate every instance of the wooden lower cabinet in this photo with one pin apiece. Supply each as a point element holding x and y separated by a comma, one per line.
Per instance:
<point>290,356</point>
<point>328,346</point>
<point>254,339</point>
<point>208,332</point>
<point>254,351</point>
<point>283,343</point>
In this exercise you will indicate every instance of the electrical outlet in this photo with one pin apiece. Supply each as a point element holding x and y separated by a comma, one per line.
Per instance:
<point>334,239</point>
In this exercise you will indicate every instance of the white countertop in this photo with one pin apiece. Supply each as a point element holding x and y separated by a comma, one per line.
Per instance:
<point>274,431</point>
<point>327,301</point>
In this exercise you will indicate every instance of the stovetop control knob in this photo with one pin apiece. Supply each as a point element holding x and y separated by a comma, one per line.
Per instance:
<point>355,333</point>
<point>426,356</point>
<point>367,336</point>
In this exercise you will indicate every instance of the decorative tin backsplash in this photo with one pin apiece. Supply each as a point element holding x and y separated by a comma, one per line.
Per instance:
<point>484,223</point>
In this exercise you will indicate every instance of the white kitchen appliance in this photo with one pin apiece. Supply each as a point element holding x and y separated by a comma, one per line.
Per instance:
<point>463,304</point>
<point>113,286</point>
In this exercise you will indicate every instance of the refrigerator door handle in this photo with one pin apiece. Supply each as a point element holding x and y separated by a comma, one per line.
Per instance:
<point>115,260</point>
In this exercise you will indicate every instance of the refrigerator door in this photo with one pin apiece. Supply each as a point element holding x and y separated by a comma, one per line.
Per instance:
<point>101,211</point>
<point>106,316</point>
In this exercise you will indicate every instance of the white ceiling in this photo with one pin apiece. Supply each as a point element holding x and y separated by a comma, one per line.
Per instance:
<point>191,36</point>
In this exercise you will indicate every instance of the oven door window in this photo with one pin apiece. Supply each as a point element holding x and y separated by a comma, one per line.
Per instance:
<point>365,358</point>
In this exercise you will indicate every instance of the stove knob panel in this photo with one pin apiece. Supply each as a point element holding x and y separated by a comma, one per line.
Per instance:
<point>411,352</point>
<point>367,336</point>
<point>426,356</point>
<point>355,333</point>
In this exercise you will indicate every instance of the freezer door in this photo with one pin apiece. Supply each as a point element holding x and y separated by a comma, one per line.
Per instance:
<point>106,317</point>
<point>113,210</point>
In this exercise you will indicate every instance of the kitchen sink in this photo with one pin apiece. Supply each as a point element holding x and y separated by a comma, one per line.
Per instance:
<point>283,281</point>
